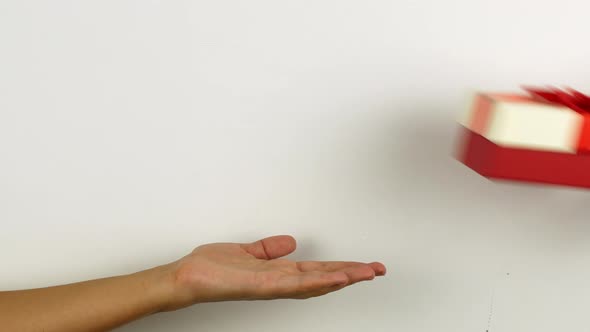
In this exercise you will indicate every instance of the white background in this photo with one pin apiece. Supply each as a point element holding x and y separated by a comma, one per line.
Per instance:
<point>132,131</point>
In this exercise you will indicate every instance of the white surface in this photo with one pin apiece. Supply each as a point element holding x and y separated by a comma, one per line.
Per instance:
<point>132,131</point>
<point>534,126</point>
<point>466,111</point>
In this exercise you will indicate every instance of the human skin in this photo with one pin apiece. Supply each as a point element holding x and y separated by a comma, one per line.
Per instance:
<point>210,273</point>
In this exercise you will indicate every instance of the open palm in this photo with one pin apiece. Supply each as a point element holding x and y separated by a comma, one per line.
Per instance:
<point>255,271</point>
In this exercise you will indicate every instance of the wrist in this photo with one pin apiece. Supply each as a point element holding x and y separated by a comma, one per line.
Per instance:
<point>168,288</point>
<point>159,287</point>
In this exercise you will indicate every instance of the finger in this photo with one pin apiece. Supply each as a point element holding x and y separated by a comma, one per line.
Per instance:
<point>379,268</point>
<point>310,282</point>
<point>271,247</point>
<point>326,266</point>
<point>321,292</point>
<point>355,271</point>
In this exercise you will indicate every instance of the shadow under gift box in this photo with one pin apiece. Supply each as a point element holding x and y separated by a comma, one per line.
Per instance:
<point>519,138</point>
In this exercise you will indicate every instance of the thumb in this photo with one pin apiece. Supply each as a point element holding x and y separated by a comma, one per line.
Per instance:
<point>271,247</point>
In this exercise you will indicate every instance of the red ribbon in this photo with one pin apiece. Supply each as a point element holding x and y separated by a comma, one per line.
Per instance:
<point>572,99</point>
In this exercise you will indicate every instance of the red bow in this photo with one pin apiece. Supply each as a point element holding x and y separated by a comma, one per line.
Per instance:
<point>571,98</point>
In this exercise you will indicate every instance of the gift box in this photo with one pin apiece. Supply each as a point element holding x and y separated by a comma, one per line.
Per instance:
<point>541,136</point>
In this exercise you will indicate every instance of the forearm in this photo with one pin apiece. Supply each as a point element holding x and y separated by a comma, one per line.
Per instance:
<point>210,273</point>
<point>97,305</point>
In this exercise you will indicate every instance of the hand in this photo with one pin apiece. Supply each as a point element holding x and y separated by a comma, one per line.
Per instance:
<point>231,271</point>
<point>213,272</point>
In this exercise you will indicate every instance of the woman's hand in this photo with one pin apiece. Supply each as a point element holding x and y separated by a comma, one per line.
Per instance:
<point>213,272</point>
<point>255,271</point>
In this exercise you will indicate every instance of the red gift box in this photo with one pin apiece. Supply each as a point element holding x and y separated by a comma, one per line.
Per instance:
<point>543,137</point>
